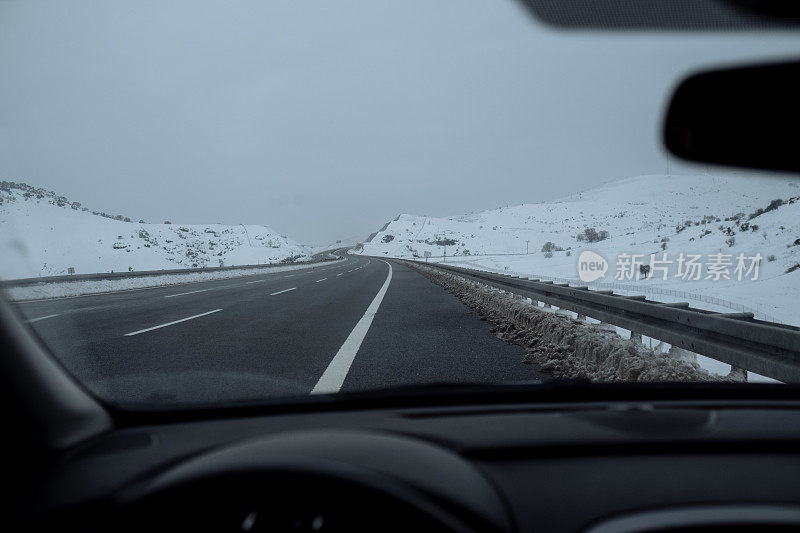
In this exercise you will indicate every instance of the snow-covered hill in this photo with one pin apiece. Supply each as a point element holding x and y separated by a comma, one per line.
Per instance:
<point>43,234</point>
<point>642,215</point>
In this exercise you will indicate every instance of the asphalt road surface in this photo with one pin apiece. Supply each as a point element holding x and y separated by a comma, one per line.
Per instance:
<point>355,324</point>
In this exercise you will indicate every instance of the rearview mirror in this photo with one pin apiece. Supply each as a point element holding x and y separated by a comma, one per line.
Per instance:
<point>748,117</point>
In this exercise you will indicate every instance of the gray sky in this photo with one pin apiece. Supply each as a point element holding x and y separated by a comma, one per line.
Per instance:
<point>325,119</point>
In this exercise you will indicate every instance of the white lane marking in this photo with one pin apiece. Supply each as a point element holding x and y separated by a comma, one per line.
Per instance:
<point>349,271</point>
<point>171,323</point>
<point>289,276</point>
<point>323,279</point>
<point>255,281</point>
<point>184,293</point>
<point>333,377</point>
<point>340,273</point>
<point>281,292</point>
<point>32,320</point>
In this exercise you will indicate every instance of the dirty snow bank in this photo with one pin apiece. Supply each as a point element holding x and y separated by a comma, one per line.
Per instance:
<point>65,289</point>
<point>566,347</point>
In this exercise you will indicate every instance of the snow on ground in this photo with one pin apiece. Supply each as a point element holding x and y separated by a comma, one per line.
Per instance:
<point>43,234</point>
<point>68,289</point>
<point>644,215</point>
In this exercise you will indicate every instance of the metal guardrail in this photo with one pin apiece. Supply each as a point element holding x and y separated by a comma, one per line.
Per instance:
<point>647,289</point>
<point>766,348</point>
<point>24,282</point>
<point>661,291</point>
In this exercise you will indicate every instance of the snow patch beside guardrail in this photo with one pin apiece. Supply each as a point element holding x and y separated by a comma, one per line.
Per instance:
<point>566,347</point>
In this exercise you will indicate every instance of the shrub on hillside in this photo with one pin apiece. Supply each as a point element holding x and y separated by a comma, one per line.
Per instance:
<point>551,247</point>
<point>773,205</point>
<point>592,235</point>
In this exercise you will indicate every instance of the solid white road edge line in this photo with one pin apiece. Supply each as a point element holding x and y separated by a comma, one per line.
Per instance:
<point>333,377</point>
<point>32,320</point>
<point>171,323</point>
<point>184,293</point>
<point>281,292</point>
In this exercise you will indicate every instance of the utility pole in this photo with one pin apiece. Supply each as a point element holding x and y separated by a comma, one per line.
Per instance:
<point>445,253</point>
<point>248,235</point>
<point>668,170</point>
<point>527,242</point>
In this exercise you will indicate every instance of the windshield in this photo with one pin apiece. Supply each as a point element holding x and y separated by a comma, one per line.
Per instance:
<point>206,203</point>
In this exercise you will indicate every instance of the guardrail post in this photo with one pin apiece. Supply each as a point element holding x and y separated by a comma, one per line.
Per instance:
<point>679,354</point>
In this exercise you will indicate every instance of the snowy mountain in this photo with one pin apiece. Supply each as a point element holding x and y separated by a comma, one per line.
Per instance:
<point>44,234</point>
<point>645,215</point>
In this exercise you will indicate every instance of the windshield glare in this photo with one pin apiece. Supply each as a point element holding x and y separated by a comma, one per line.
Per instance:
<point>205,203</point>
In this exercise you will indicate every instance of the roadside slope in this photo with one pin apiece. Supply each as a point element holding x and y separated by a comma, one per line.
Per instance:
<point>643,215</point>
<point>43,234</point>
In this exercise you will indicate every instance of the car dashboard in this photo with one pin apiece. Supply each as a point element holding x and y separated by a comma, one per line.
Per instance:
<point>607,467</point>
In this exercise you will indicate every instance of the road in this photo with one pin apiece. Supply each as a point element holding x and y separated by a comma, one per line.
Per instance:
<point>356,324</point>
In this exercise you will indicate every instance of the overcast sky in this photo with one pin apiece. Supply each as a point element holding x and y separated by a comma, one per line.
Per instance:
<point>324,119</point>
